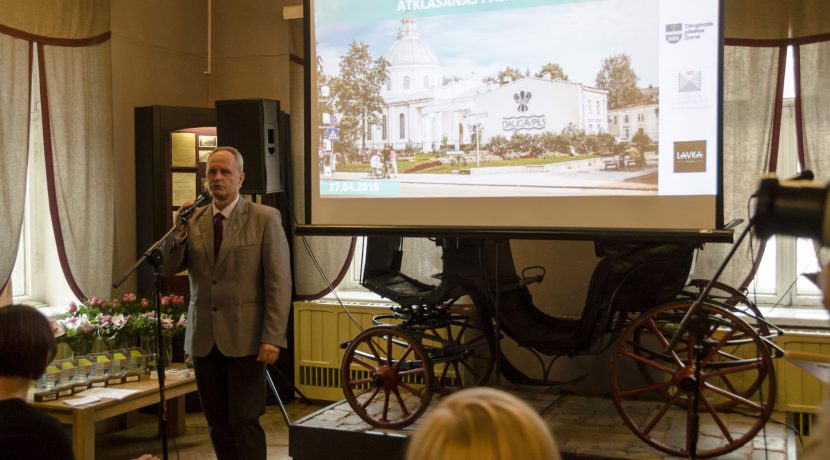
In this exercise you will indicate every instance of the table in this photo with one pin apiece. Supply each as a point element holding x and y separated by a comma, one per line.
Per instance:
<point>83,418</point>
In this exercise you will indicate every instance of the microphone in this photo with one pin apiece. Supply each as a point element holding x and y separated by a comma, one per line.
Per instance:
<point>185,215</point>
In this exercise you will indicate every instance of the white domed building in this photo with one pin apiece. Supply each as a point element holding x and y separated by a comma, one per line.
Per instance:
<point>422,111</point>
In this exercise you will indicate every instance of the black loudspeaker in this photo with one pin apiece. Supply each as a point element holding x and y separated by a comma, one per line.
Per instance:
<point>252,126</point>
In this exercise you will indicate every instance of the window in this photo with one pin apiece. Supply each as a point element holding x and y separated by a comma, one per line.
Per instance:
<point>406,82</point>
<point>640,117</point>
<point>625,120</point>
<point>21,274</point>
<point>37,275</point>
<point>402,126</point>
<point>785,258</point>
<point>426,82</point>
<point>627,134</point>
<point>369,133</point>
<point>383,128</point>
<point>597,106</point>
<point>388,84</point>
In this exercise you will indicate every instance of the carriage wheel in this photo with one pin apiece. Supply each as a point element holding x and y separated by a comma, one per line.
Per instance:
<point>462,349</point>
<point>729,353</point>
<point>387,377</point>
<point>725,294</point>
<point>658,407</point>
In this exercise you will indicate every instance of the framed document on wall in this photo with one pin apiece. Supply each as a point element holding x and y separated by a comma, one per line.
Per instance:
<point>183,149</point>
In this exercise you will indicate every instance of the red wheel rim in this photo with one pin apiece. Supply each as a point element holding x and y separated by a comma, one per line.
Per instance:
<point>673,385</point>
<point>386,377</point>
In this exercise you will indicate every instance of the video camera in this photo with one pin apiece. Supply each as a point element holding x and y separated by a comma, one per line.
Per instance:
<point>795,207</point>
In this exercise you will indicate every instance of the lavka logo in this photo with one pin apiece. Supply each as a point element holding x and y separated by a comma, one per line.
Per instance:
<point>690,156</point>
<point>674,32</point>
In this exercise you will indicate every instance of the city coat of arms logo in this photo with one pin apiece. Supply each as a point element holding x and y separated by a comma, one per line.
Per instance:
<point>522,98</point>
<point>674,32</point>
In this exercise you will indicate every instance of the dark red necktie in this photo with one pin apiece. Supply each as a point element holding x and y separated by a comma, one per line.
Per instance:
<point>217,234</point>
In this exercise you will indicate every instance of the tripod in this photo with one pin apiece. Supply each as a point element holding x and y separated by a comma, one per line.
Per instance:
<point>270,383</point>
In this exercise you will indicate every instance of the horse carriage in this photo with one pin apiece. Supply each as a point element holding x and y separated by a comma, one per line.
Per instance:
<point>695,348</point>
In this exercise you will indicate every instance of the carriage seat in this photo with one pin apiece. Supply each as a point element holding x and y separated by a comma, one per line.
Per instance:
<point>382,275</point>
<point>629,277</point>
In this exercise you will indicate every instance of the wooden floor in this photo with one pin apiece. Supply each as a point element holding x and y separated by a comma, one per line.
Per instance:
<point>141,436</point>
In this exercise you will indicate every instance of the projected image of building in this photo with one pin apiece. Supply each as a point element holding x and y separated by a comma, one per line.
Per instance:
<point>426,110</point>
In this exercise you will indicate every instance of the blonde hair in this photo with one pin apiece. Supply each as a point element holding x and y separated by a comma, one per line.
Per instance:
<point>482,424</point>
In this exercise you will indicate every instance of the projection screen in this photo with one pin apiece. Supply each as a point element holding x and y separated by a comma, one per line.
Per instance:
<point>538,114</point>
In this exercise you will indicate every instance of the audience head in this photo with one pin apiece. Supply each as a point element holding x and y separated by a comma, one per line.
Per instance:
<point>27,343</point>
<point>482,424</point>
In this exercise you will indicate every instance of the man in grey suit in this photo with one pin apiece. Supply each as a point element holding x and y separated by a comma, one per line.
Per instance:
<point>236,254</point>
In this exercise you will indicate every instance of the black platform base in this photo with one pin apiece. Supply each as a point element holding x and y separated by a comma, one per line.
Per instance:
<point>584,428</point>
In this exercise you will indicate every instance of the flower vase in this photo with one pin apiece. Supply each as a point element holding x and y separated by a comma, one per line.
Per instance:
<point>63,351</point>
<point>81,348</point>
<point>98,345</point>
<point>121,341</point>
<point>148,344</point>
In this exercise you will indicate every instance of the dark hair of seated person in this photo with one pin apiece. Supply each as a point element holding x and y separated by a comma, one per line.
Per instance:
<point>27,344</point>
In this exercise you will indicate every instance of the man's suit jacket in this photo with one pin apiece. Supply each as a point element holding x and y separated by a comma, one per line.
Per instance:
<point>242,297</point>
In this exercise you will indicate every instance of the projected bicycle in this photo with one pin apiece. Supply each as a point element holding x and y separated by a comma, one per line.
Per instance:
<point>439,338</point>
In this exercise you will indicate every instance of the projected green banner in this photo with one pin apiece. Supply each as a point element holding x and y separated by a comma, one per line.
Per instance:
<point>338,11</point>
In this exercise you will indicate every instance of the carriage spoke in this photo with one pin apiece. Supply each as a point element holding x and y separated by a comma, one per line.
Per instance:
<point>406,353</point>
<point>647,362</point>
<point>444,373</point>
<point>401,402</point>
<point>385,416</point>
<point>359,361</point>
<point>356,383</point>
<point>411,390</point>
<point>661,413</point>
<point>659,334</point>
<point>371,397</point>
<point>734,397</point>
<point>636,391</point>
<point>716,347</point>
<point>734,369</point>
<point>717,419</point>
<point>375,351</point>
<point>471,370</point>
<point>419,370</point>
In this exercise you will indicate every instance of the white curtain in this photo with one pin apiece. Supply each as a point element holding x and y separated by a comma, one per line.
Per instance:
<point>750,77</point>
<point>14,138</point>
<point>815,100</point>
<point>72,40</point>
<point>79,94</point>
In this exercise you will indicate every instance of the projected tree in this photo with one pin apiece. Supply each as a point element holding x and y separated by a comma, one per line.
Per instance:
<point>552,71</point>
<point>324,101</point>
<point>356,91</point>
<point>617,76</point>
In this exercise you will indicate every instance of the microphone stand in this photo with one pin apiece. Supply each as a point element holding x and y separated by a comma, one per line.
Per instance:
<point>698,325</point>
<point>154,256</point>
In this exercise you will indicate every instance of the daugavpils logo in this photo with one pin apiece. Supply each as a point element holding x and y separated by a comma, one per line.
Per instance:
<point>689,156</point>
<point>674,32</point>
<point>522,98</point>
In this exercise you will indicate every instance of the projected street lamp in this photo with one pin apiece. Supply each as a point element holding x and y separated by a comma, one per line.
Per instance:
<point>474,122</point>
